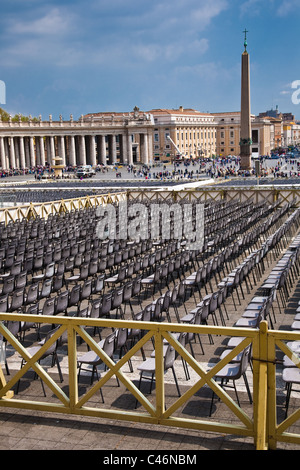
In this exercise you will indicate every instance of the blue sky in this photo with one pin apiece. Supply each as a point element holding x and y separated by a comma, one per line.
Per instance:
<point>76,57</point>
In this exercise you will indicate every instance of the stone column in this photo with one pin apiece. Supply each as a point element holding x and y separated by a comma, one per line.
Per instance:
<point>72,151</point>
<point>150,147</point>
<point>22,153</point>
<point>2,153</point>
<point>82,151</point>
<point>17,151</point>
<point>7,152</point>
<point>123,149</point>
<point>52,150</point>
<point>31,152</point>
<point>42,151</point>
<point>103,150</point>
<point>144,148</point>
<point>93,159</point>
<point>62,149</point>
<point>112,152</point>
<point>12,157</point>
<point>129,150</point>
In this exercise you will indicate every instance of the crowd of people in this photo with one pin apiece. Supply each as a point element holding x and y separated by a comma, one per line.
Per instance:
<point>226,167</point>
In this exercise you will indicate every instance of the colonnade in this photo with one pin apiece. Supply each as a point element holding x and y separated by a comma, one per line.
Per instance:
<point>30,151</point>
<point>29,144</point>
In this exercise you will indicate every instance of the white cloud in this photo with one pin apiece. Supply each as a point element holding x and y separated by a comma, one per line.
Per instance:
<point>52,23</point>
<point>135,32</point>
<point>288,7</point>
<point>251,7</point>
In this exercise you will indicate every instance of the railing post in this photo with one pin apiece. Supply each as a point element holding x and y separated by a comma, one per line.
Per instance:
<point>72,362</point>
<point>260,378</point>
<point>159,375</point>
<point>8,394</point>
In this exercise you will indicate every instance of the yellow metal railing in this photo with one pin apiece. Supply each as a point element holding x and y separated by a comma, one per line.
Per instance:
<point>261,426</point>
<point>256,194</point>
<point>44,209</point>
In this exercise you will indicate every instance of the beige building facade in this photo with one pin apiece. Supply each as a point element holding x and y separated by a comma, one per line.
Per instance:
<point>228,134</point>
<point>185,132</point>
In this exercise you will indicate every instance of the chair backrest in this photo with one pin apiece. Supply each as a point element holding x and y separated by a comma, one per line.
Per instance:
<point>98,284</point>
<point>95,308</point>
<point>146,313</point>
<point>206,306</point>
<point>84,270</point>
<point>62,302</point>
<point>127,293</point>
<point>58,282</point>
<point>49,306</point>
<point>130,269</point>
<point>122,273</point>
<point>52,348</point>
<point>136,286</point>
<point>156,311</point>
<point>117,297</point>
<point>74,296</point>
<point>174,295</point>
<point>167,301</point>
<point>8,285</point>
<point>50,269</point>
<point>17,299</point>
<point>21,280</point>
<point>213,305</point>
<point>32,310</point>
<point>16,268</point>
<point>106,303</point>
<point>86,289</point>
<point>182,339</point>
<point>169,357</point>
<point>243,363</point>
<point>121,337</point>
<point>46,288</point>
<point>32,293</point>
<point>109,344</point>
<point>14,327</point>
<point>93,267</point>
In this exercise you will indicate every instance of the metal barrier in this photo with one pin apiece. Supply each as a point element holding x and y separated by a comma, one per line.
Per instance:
<point>262,427</point>
<point>257,195</point>
<point>33,210</point>
<point>212,193</point>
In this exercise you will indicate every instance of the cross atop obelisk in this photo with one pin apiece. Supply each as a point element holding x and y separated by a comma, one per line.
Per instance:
<point>245,41</point>
<point>245,134</point>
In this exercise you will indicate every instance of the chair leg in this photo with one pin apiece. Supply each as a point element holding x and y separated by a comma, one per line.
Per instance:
<point>288,396</point>
<point>176,382</point>
<point>185,368</point>
<point>247,387</point>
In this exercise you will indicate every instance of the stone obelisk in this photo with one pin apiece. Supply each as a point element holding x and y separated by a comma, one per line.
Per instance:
<point>245,134</point>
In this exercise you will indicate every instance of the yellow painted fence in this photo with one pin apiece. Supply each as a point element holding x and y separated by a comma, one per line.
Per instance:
<point>261,424</point>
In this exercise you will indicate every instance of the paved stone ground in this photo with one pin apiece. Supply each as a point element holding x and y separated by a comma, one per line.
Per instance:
<point>35,430</point>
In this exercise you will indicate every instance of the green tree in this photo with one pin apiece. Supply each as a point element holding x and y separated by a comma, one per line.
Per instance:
<point>5,117</point>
